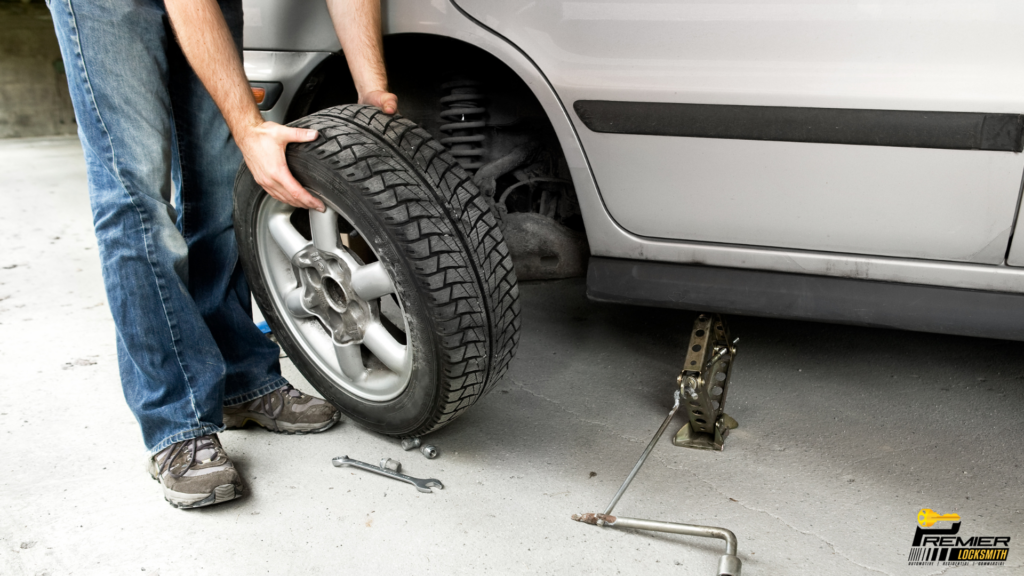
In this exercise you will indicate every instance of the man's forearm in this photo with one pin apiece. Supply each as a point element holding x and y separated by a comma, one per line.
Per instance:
<point>206,41</point>
<point>357,23</point>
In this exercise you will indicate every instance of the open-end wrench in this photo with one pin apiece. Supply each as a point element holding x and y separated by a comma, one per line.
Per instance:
<point>421,484</point>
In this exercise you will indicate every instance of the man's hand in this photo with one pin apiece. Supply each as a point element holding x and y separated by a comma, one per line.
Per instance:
<point>382,99</point>
<point>263,147</point>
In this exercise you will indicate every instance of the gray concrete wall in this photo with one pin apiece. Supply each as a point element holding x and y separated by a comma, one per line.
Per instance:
<point>34,99</point>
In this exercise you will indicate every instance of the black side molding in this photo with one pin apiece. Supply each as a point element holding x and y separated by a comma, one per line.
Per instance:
<point>806,297</point>
<point>904,128</point>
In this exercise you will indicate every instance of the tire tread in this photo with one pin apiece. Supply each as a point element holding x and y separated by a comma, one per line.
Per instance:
<point>451,239</point>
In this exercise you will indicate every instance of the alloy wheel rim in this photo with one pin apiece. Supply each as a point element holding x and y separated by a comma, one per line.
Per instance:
<point>335,306</point>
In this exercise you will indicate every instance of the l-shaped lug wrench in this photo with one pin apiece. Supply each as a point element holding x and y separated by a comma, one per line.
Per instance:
<point>729,565</point>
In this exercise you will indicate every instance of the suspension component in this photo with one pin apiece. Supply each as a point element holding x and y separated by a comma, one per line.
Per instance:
<point>465,117</point>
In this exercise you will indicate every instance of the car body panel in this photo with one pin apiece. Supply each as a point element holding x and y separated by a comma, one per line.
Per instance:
<point>955,205</point>
<point>905,202</point>
<point>293,26</point>
<point>605,236</point>
<point>957,55</point>
<point>288,68</point>
<point>1015,257</point>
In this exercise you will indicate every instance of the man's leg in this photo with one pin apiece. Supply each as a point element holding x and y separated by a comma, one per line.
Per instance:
<point>209,160</point>
<point>254,388</point>
<point>171,369</point>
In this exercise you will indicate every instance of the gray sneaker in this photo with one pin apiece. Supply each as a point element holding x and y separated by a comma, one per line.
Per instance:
<point>284,410</point>
<point>196,473</point>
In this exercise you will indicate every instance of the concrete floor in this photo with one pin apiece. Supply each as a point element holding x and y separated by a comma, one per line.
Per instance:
<point>845,433</point>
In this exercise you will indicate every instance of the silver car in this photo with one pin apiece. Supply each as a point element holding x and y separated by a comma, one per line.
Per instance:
<point>835,161</point>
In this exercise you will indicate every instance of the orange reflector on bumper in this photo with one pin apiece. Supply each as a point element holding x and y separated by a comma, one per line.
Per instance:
<point>259,94</point>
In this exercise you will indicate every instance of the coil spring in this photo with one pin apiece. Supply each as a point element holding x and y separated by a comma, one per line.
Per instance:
<point>464,114</point>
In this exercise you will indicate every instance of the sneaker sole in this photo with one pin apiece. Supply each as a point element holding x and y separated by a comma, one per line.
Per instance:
<point>283,427</point>
<point>182,500</point>
<point>220,494</point>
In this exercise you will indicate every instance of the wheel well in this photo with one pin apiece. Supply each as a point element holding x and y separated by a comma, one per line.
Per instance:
<point>418,64</point>
<point>513,141</point>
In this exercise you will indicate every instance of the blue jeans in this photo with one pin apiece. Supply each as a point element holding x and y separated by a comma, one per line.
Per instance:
<point>161,166</point>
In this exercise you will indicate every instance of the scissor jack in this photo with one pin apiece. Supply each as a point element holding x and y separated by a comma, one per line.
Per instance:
<point>703,384</point>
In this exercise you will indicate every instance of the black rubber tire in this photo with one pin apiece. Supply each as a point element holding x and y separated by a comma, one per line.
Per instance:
<point>440,242</point>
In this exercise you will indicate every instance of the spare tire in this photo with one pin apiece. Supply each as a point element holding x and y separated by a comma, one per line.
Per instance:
<point>400,303</point>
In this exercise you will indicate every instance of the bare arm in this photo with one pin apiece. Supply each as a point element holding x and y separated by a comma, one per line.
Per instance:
<point>206,41</point>
<point>357,23</point>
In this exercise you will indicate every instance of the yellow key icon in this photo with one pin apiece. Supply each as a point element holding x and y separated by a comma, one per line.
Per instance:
<point>927,518</point>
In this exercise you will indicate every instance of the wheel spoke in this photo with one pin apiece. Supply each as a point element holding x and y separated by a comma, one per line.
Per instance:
<point>324,226</point>
<point>350,359</point>
<point>294,304</point>
<point>385,347</point>
<point>372,281</point>
<point>285,235</point>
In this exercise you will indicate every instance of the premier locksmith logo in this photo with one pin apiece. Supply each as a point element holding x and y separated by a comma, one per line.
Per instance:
<point>943,546</point>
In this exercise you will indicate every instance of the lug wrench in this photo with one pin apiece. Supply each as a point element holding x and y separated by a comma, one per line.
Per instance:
<point>421,484</point>
<point>729,565</point>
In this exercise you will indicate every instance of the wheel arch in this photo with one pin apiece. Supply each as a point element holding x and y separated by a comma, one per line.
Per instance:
<point>335,67</point>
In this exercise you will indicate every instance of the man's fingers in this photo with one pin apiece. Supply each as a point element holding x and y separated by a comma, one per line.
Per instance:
<point>285,188</point>
<point>389,103</point>
<point>386,101</point>
<point>264,151</point>
<point>298,198</point>
<point>301,197</point>
<point>289,134</point>
<point>292,186</point>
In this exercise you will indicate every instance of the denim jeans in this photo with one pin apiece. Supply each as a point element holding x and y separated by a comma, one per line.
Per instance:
<point>161,166</point>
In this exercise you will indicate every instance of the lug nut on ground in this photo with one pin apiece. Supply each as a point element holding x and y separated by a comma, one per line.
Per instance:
<point>429,451</point>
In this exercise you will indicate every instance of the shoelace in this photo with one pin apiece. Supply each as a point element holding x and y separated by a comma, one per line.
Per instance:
<point>267,400</point>
<point>195,445</point>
